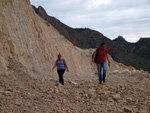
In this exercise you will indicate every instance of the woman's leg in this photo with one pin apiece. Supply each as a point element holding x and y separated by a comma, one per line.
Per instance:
<point>61,73</point>
<point>99,67</point>
<point>62,79</point>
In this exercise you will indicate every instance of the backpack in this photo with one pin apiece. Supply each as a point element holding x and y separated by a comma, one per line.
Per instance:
<point>96,56</point>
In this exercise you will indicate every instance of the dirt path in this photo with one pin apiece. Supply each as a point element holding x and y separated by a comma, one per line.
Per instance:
<point>120,93</point>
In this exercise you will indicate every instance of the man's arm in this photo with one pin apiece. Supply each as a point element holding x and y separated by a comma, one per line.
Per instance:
<point>108,60</point>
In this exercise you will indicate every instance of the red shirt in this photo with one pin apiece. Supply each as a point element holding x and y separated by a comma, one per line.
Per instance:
<point>102,55</point>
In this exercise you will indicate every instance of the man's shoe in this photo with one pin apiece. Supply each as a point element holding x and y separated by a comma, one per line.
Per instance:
<point>100,82</point>
<point>104,80</point>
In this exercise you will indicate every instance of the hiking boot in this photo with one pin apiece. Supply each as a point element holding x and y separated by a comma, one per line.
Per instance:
<point>100,82</point>
<point>104,80</point>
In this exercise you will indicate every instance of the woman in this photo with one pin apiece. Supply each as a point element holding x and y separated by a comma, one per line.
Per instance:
<point>61,67</point>
<point>102,54</point>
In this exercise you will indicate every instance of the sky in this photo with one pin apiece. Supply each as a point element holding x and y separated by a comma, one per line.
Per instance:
<point>113,18</point>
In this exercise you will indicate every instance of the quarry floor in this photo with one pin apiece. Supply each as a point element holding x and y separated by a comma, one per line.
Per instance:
<point>128,93</point>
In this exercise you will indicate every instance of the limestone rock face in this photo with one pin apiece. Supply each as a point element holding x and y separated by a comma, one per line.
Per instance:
<point>34,43</point>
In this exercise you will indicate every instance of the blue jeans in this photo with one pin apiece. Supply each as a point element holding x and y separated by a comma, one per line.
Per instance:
<point>99,67</point>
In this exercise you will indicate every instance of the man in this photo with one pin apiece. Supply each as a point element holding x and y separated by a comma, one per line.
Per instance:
<point>102,54</point>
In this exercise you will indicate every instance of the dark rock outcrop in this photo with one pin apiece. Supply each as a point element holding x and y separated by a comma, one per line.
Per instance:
<point>121,40</point>
<point>142,48</point>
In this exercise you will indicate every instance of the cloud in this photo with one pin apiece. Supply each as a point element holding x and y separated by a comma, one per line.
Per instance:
<point>130,18</point>
<point>97,3</point>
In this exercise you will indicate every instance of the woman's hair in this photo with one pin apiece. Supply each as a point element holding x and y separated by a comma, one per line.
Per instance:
<point>103,43</point>
<point>59,55</point>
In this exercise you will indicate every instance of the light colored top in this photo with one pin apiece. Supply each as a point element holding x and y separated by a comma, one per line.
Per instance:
<point>61,64</point>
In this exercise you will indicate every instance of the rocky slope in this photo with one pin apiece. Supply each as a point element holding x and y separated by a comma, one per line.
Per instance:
<point>87,38</point>
<point>34,43</point>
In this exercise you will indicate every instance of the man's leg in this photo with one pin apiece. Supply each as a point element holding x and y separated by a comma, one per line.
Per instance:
<point>99,67</point>
<point>104,71</point>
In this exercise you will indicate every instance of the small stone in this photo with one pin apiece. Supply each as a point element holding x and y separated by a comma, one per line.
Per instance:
<point>127,110</point>
<point>106,92</point>
<point>72,82</point>
<point>110,100</point>
<point>64,101</point>
<point>90,81</point>
<point>116,96</point>
<point>110,104</point>
<point>7,93</point>
<point>126,71</point>
<point>103,111</point>
<point>115,72</point>
<point>122,101</point>
<point>129,99</point>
